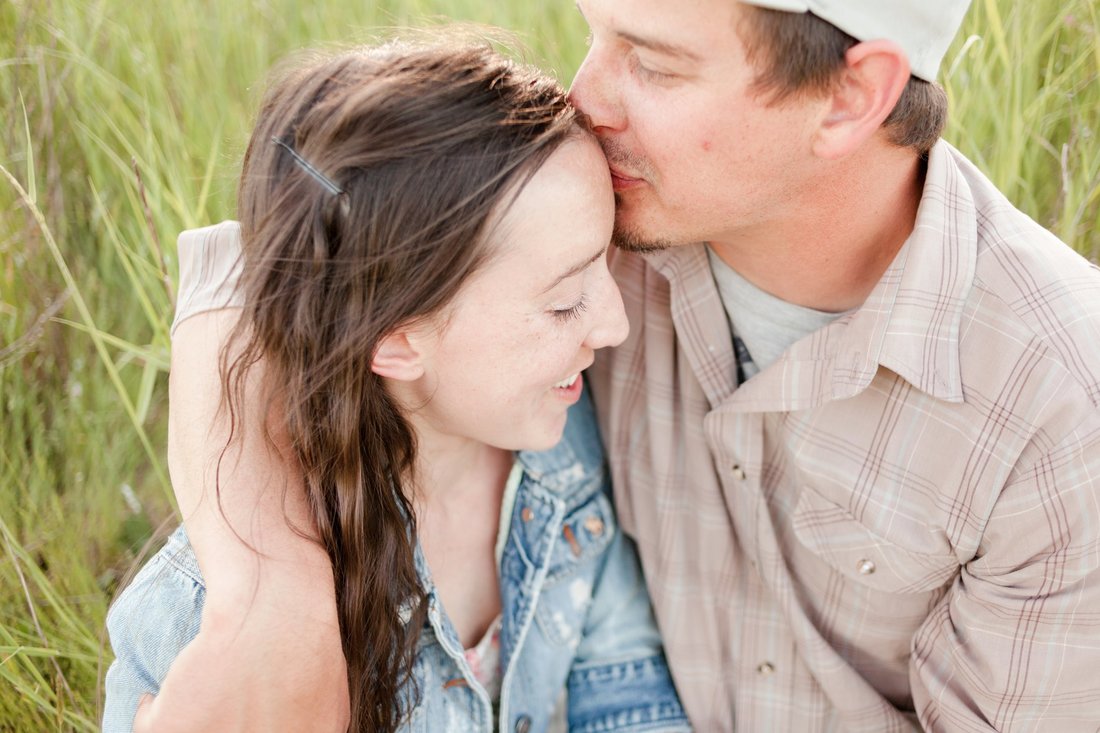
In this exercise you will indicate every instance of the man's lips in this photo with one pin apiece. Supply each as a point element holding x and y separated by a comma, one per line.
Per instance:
<point>621,181</point>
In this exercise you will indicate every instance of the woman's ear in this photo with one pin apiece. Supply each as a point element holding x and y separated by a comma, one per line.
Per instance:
<point>398,356</point>
<point>874,77</point>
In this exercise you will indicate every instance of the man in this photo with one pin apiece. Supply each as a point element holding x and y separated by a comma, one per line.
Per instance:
<point>855,429</point>
<point>855,435</point>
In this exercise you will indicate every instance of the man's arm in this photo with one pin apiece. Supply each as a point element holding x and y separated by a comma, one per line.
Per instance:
<point>268,655</point>
<point>1014,645</point>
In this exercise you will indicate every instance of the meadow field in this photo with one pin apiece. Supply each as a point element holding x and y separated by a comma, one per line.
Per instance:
<point>123,123</point>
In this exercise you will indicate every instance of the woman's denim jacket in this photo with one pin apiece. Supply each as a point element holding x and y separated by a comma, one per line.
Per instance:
<point>575,616</point>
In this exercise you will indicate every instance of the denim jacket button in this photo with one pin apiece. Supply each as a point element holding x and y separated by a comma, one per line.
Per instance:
<point>526,514</point>
<point>523,724</point>
<point>594,525</point>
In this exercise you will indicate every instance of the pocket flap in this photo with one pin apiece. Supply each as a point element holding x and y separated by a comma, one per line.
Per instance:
<point>846,544</point>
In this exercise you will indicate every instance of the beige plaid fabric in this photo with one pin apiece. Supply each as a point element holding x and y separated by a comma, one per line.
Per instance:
<point>902,513</point>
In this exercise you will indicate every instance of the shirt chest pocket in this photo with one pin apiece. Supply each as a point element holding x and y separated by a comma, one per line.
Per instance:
<point>865,556</point>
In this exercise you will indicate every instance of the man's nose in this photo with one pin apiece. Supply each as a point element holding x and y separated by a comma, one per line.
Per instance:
<point>595,92</point>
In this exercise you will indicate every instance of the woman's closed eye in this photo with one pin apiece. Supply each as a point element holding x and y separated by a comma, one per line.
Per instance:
<point>571,312</point>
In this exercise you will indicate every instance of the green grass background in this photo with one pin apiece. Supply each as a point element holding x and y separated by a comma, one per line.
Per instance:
<point>124,123</point>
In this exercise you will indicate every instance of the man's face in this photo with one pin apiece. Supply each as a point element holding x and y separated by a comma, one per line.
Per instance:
<point>695,153</point>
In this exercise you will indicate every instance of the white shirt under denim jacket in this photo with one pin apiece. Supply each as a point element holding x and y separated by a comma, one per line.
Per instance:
<point>575,615</point>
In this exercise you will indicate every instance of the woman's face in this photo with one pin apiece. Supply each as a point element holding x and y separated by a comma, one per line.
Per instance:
<point>502,365</point>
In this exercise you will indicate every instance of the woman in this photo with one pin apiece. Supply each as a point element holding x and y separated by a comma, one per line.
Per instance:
<point>424,235</point>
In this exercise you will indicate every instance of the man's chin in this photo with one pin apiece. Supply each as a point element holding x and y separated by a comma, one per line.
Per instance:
<point>634,236</point>
<point>631,240</point>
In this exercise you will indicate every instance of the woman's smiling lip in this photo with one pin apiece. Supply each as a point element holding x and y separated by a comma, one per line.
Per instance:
<point>572,393</point>
<point>567,382</point>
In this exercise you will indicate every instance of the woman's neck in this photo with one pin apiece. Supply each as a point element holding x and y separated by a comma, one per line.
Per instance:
<point>457,495</point>
<point>454,472</point>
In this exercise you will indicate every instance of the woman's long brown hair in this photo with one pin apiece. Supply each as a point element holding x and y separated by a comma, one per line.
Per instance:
<point>427,145</point>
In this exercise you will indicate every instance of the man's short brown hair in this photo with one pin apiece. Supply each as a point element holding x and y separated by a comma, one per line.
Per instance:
<point>798,53</point>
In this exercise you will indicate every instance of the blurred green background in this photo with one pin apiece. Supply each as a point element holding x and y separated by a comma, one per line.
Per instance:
<point>124,123</point>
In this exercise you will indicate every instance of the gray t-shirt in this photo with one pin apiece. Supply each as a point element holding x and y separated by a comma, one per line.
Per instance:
<point>762,325</point>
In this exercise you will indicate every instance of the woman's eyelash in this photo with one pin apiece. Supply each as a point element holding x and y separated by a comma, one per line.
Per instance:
<point>573,311</point>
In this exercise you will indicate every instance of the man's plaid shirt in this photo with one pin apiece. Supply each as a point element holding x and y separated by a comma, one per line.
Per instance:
<point>898,518</point>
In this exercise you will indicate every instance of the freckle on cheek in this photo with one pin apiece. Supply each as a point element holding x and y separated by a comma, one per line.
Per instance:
<point>706,146</point>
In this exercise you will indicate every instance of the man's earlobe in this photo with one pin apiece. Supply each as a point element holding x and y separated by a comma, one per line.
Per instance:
<point>874,77</point>
<point>397,357</point>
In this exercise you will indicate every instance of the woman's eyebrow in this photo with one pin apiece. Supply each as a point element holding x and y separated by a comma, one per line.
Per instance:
<point>579,267</point>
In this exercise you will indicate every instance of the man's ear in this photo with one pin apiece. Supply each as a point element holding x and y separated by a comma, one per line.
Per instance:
<point>875,75</point>
<point>398,356</point>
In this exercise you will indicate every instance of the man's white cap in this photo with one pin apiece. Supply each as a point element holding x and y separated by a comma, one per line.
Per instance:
<point>923,28</point>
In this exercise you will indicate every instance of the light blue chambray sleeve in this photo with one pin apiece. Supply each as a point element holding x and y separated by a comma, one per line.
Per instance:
<point>150,622</point>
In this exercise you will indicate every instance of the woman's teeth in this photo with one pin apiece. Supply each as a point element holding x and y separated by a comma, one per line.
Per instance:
<point>566,383</point>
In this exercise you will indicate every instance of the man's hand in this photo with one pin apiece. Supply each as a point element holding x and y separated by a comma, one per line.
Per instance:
<point>268,655</point>
<point>282,669</point>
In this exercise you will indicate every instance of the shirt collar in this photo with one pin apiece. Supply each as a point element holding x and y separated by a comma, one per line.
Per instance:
<point>909,324</point>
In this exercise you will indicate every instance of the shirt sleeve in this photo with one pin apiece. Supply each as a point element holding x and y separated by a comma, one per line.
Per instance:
<point>210,268</point>
<point>1014,643</point>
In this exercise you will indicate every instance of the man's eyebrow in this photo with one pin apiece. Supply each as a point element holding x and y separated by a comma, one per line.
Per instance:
<point>661,47</point>
<point>653,44</point>
<point>579,267</point>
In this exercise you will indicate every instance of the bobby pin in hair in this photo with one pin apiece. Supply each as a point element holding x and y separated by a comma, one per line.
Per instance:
<point>308,168</point>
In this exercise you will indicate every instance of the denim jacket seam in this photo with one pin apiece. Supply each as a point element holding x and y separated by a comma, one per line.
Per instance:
<point>536,585</point>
